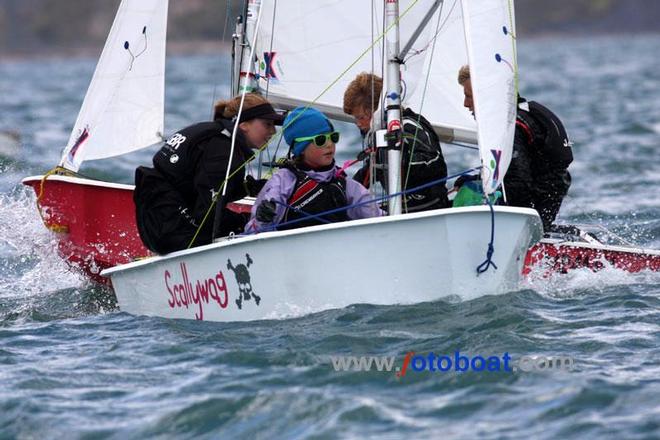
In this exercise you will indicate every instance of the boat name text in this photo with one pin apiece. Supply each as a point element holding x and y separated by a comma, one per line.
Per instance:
<point>182,294</point>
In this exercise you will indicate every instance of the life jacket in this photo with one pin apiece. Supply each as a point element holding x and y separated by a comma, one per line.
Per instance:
<point>314,197</point>
<point>551,140</point>
<point>417,119</point>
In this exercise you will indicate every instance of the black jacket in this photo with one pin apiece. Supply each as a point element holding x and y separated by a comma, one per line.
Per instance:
<point>173,197</point>
<point>538,176</point>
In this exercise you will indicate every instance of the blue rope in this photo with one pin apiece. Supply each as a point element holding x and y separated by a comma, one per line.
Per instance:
<point>483,267</point>
<point>367,202</point>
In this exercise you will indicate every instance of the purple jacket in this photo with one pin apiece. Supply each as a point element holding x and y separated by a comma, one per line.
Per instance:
<point>280,186</point>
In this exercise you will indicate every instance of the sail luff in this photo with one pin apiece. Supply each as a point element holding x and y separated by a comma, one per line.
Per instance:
<point>489,33</point>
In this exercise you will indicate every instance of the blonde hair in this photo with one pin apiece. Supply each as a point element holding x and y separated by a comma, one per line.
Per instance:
<point>363,93</point>
<point>464,74</point>
<point>228,109</point>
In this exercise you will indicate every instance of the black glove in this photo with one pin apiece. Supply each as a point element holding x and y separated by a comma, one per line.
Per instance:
<point>266,211</point>
<point>253,186</point>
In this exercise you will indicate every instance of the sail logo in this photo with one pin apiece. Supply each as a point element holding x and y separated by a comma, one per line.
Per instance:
<point>183,293</point>
<point>268,65</point>
<point>495,164</point>
<point>81,140</point>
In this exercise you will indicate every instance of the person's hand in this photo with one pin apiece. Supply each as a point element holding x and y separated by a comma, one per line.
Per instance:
<point>266,211</point>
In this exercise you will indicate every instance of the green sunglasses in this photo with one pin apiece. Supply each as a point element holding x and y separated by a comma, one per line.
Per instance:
<point>320,139</point>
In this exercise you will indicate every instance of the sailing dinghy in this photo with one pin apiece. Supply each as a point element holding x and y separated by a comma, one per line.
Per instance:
<point>123,111</point>
<point>394,259</point>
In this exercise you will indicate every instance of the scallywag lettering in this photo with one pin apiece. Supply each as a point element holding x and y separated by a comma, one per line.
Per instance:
<point>182,293</point>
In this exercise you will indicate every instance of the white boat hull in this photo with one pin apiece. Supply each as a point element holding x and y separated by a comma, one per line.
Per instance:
<point>389,260</point>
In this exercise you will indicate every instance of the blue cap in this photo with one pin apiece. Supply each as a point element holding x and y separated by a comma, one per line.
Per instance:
<point>303,122</point>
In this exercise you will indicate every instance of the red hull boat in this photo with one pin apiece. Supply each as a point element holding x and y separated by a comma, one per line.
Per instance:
<point>94,220</point>
<point>561,256</point>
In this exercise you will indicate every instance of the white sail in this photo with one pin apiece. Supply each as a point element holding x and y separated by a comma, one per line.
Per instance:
<point>490,36</point>
<point>319,46</point>
<point>124,105</point>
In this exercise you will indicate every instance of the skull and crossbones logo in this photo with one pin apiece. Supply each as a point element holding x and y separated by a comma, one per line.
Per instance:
<point>245,292</point>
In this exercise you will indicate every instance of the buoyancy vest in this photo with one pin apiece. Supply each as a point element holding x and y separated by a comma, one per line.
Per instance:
<point>550,140</point>
<point>312,197</point>
<point>415,119</point>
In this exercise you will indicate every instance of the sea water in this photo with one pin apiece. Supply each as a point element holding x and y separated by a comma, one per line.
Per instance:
<point>73,366</point>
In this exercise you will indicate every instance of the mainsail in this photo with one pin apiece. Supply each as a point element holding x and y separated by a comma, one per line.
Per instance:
<point>316,48</point>
<point>123,109</point>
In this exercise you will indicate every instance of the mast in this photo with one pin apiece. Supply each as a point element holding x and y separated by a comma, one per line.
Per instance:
<point>247,80</point>
<point>236,54</point>
<point>393,106</point>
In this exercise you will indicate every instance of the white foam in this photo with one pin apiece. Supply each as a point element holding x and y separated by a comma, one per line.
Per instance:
<point>288,310</point>
<point>656,127</point>
<point>29,251</point>
<point>576,280</point>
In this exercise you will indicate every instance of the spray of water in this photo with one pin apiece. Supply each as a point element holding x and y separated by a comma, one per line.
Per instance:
<point>577,281</point>
<point>29,264</point>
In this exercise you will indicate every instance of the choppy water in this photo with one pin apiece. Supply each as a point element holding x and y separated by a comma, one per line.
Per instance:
<point>72,366</point>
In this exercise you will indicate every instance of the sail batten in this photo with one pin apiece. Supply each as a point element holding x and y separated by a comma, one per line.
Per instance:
<point>123,109</point>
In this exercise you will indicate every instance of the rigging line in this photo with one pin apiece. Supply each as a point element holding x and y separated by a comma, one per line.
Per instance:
<point>134,57</point>
<point>223,185</point>
<point>373,60</point>
<point>240,107</point>
<point>350,66</point>
<point>483,267</point>
<point>373,156</point>
<point>224,33</point>
<point>421,105</point>
<point>458,144</point>
<point>227,15</point>
<point>371,201</point>
<point>270,49</point>
<point>513,46</point>
<point>272,38</point>
<point>274,156</point>
<point>435,36</point>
